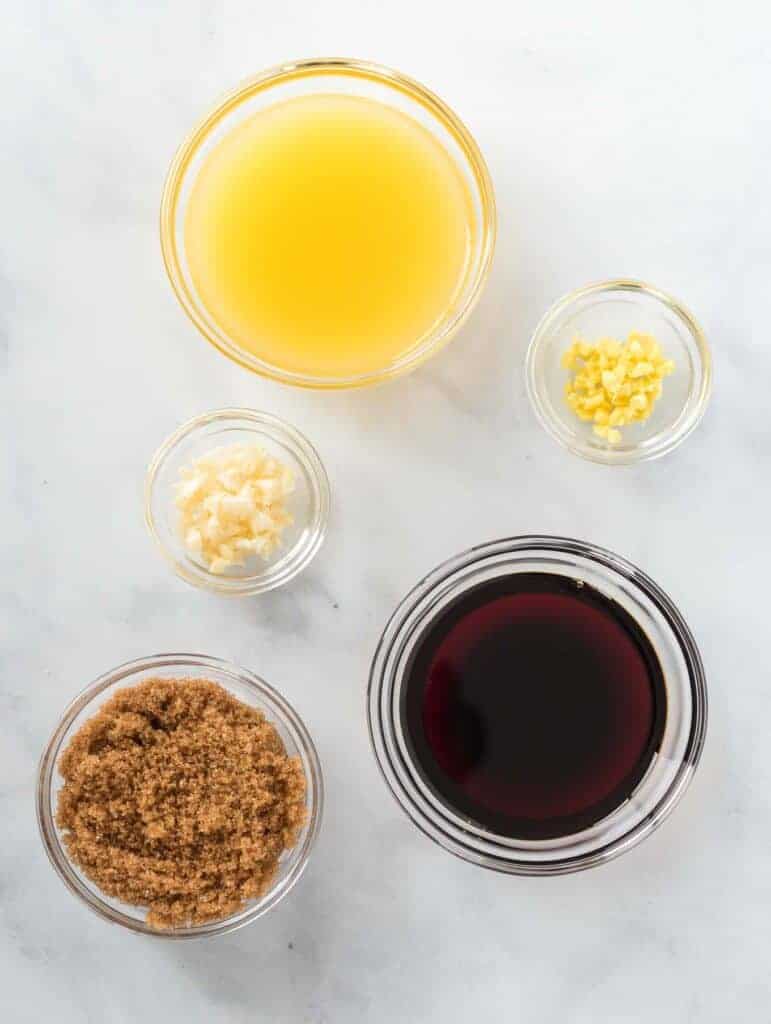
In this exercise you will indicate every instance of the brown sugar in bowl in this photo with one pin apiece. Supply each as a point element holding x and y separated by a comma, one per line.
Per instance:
<point>179,812</point>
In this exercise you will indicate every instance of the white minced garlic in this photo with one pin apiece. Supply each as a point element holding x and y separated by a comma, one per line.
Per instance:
<point>231,505</point>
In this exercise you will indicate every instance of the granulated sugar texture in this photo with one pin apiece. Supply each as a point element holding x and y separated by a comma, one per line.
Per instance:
<point>179,798</point>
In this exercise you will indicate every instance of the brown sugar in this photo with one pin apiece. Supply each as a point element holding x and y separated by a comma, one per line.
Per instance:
<point>180,798</point>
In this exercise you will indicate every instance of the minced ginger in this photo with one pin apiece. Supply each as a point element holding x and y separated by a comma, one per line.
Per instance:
<point>615,383</point>
<point>179,798</point>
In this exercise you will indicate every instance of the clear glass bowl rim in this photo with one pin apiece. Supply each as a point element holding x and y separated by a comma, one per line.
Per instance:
<point>476,556</point>
<point>302,69</point>
<point>253,419</point>
<point>268,697</point>
<point>669,440</point>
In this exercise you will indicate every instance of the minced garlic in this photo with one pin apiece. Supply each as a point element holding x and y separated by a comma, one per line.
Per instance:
<point>231,505</point>
<point>615,383</point>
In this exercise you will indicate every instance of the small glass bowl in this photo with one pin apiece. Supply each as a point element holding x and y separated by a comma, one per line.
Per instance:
<point>246,687</point>
<point>614,308</point>
<point>330,75</point>
<point>670,770</point>
<point>308,504</point>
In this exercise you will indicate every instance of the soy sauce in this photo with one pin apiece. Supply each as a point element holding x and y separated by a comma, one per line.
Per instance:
<point>534,705</point>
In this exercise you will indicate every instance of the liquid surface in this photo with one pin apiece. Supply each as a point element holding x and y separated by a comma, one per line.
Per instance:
<point>534,706</point>
<point>328,234</point>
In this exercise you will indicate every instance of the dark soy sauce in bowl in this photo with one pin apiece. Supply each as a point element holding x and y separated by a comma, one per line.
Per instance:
<point>533,706</point>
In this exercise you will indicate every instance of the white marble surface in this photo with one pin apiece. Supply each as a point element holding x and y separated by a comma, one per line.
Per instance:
<point>623,138</point>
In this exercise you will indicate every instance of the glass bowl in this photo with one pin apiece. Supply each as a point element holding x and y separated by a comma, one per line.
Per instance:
<point>343,76</point>
<point>614,308</point>
<point>243,685</point>
<point>672,766</point>
<point>308,504</point>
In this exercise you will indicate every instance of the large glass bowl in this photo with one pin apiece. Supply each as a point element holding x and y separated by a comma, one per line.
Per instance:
<point>670,770</point>
<point>246,687</point>
<point>351,77</point>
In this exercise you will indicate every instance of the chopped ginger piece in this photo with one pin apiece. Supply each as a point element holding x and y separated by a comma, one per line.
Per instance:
<point>615,383</point>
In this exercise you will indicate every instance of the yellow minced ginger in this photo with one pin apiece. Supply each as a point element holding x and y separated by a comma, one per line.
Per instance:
<point>615,383</point>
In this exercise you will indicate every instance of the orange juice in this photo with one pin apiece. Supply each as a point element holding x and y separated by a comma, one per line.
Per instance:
<point>328,234</point>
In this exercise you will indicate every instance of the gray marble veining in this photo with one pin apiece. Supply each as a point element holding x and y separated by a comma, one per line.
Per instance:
<point>622,139</point>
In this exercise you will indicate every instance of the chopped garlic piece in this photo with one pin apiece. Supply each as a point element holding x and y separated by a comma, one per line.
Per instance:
<point>615,383</point>
<point>231,505</point>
